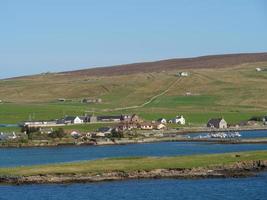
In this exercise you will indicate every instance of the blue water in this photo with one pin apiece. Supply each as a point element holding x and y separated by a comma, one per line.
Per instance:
<point>163,189</point>
<point>160,189</point>
<point>9,125</point>
<point>30,156</point>
<point>244,134</point>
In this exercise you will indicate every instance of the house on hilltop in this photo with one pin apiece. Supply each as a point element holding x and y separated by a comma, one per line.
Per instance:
<point>182,74</point>
<point>217,123</point>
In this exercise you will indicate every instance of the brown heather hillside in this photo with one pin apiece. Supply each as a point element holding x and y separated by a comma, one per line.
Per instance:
<point>213,61</point>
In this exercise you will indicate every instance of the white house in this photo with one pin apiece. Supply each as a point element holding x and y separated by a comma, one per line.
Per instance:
<point>183,74</point>
<point>73,120</point>
<point>258,69</point>
<point>178,120</point>
<point>38,123</point>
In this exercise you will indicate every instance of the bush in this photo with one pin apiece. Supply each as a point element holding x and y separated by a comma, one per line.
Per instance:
<point>256,118</point>
<point>117,134</point>
<point>60,133</point>
<point>23,140</point>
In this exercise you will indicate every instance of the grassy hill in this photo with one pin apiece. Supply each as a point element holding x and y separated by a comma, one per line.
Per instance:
<point>222,85</point>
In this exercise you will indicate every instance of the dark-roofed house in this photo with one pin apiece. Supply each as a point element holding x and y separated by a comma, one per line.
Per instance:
<point>162,120</point>
<point>89,119</point>
<point>73,120</point>
<point>106,130</point>
<point>264,119</point>
<point>217,123</point>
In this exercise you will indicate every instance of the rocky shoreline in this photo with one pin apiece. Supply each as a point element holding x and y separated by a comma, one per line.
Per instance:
<point>125,141</point>
<point>139,141</point>
<point>236,170</point>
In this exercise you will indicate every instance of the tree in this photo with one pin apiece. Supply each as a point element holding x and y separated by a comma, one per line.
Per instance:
<point>59,133</point>
<point>117,134</point>
<point>29,131</point>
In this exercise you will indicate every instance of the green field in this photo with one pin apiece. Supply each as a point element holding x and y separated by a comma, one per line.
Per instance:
<point>87,127</point>
<point>14,113</point>
<point>135,164</point>
<point>235,93</point>
<point>10,129</point>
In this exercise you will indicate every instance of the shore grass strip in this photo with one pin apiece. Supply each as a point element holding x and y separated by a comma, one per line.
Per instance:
<point>130,164</point>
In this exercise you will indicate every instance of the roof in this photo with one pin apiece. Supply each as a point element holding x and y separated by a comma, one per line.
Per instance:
<point>179,117</point>
<point>70,118</point>
<point>109,117</point>
<point>104,129</point>
<point>146,124</point>
<point>84,117</point>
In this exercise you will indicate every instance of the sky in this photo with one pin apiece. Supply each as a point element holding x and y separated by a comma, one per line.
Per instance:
<point>39,36</point>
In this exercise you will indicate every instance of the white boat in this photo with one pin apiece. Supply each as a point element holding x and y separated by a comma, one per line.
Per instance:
<point>225,135</point>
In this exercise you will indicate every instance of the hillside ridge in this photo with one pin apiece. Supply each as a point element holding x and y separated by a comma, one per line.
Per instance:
<point>209,61</point>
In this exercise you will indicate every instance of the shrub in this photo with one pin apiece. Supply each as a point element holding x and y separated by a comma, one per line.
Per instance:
<point>60,133</point>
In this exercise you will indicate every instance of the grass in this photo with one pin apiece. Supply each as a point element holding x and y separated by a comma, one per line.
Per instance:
<point>236,94</point>
<point>14,113</point>
<point>135,163</point>
<point>87,127</point>
<point>177,101</point>
<point>10,129</point>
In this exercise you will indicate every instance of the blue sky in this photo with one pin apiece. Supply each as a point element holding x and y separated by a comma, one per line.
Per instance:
<point>56,35</point>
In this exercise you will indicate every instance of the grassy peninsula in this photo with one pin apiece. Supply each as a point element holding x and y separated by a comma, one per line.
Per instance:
<point>218,165</point>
